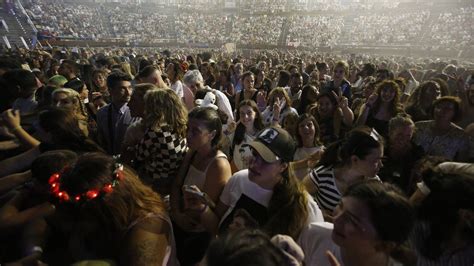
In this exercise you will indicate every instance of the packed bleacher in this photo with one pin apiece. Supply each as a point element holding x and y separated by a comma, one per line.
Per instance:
<point>318,31</point>
<point>256,30</point>
<point>385,29</point>
<point>451,28</point>
<point>76,21</point>
<point>231,156</point>
<point>148,24</point>
<point>199,28</point>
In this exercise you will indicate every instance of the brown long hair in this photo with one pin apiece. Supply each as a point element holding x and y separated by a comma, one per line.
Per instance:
<point>288,207</point>
<point>395,106</point>
<point>240,130</point>
<point>317,130</point>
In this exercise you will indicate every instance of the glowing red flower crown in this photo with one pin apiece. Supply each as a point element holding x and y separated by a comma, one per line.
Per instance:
<point>63,196</point>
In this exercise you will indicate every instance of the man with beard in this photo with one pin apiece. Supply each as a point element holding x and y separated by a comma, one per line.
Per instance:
<point>114,118</point>
<point>296,84</point>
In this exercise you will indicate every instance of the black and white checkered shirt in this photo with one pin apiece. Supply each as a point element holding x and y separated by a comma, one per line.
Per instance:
<point>161,152</point>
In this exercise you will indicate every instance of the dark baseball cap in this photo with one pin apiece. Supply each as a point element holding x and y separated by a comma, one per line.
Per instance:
<point>274,144</point>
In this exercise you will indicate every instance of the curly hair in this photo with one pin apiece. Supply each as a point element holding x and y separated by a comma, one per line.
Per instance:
<point>395,106</point>
<point>163,106</point>
<point>178,71</point>
<point>274,92</point>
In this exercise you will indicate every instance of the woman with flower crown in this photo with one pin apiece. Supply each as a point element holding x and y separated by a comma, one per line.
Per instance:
<point>108,214</point>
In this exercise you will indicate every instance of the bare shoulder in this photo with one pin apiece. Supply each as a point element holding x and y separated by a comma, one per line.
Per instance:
<point>220,166</point>
<point>148,242</point>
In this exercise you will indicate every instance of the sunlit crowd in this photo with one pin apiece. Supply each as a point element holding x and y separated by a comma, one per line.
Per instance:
<point>148,24</point>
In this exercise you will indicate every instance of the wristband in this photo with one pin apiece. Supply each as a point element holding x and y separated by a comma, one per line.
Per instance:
<point>423,188</point>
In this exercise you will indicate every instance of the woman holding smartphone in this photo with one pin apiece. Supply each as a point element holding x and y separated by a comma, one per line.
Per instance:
<point>205,167</point>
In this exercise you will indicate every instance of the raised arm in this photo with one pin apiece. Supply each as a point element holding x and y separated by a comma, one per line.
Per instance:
<point>11,119</point>
<point>365,110</point>
<point>19,162</point>
<point>9,182</point>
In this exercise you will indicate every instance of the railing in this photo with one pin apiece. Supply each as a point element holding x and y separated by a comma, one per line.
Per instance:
<point>28,19</point>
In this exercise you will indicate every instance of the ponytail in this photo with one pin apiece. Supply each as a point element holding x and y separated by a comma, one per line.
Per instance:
<point>359,142</point>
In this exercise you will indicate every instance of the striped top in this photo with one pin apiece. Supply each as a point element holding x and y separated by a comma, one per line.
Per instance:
<point>328,196</point>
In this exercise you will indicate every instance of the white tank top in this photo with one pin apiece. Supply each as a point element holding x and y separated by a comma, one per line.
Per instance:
<point>198,178</point>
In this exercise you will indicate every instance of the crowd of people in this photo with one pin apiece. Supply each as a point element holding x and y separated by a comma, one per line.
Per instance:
<point>452,28</point>
<point>75,21</point>
<point>381,29</point>
<point>257,30</point>
<point>199,28</point>
<point>148,24</point>
<point>180,157</point>
<point>152,26</point>
<point>325,30</point>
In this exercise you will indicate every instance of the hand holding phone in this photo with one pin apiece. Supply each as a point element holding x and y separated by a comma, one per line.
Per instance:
<point>193,196</point>
<point>193,190</point>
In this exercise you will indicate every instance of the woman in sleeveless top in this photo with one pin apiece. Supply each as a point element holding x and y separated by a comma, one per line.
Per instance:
<point>381,106</point>
<point>111,214</point>
<point>206,167</point>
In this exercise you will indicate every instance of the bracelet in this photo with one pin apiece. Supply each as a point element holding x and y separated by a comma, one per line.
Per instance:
<point>201,211</point>
<point>15,129</point>
<point>36,249</point>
